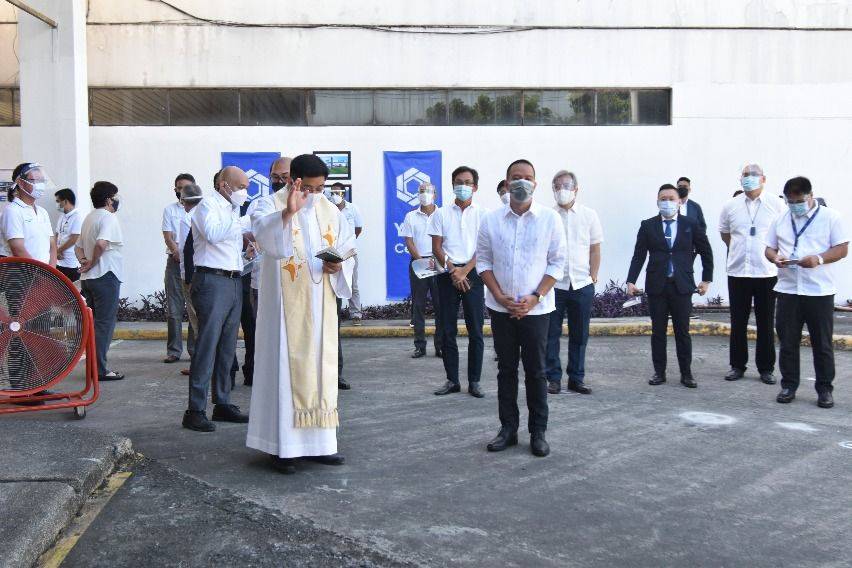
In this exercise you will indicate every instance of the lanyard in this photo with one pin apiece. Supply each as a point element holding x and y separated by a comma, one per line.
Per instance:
<point>800,233</point>
<point>752,230</point>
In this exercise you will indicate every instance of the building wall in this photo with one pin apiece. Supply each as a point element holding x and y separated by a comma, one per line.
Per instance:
<point>780,98</point>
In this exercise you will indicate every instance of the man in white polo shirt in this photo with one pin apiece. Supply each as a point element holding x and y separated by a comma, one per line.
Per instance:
<point>743,224</point>
<point>67,232</point>
<point>801,242</point>
<point>353,216</point>
<point>173,215</point>
<point>419,245</point>
<point>26,225</point>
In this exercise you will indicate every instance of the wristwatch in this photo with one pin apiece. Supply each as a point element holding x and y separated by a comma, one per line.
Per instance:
<point>821,259</point>
<point>538,295</point>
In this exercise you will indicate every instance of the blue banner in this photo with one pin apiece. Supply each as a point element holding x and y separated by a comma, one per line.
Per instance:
<point>256,166</point>
<point>404,172</point>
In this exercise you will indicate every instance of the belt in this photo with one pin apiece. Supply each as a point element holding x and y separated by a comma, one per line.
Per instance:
<point>462,264</point>
<point>218,271</point>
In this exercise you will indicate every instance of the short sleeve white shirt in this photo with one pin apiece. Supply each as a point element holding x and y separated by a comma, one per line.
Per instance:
<point>102,225</point>
<point>825,231</point>
<point>173,215</point>
<point>68,225</point>
<point>459,230</point>
<point>746,258</point>
<point>32,224</point>
<point>582,230</point>
<point>4,246</point>
<point>415,227</point>
<point>352,215</point>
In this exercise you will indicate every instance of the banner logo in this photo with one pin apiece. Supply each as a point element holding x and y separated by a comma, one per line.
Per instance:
<point>258,184</point>
<point>408,185</point>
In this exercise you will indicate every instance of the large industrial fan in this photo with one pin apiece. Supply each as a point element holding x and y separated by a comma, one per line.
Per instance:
<point>45,330</point>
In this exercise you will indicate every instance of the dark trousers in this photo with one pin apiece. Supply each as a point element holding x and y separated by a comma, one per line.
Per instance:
<point>741,293</point>
<point>248,323</point>
<point>521,340</point>
<point>817,312</point>
<point>678,306</point>
<point>101,295</point>
<point>218,302</point>
<point>473,304</point>
<point>73,274</point>
<point>577,305</point>
<point>419,289</point>
<point>339,342</point>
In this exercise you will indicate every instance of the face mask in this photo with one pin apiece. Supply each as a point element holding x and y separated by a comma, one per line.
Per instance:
<point>463,192</point>
<point>114,204</point>
<point>799,209</point>
<point>682,192</point>
<point>177,194</point>
<point>239,197</point>
<point>668,208</point>
<point>336,198</point>
<point>60,208</point>
<point>312,199</point>
<point>36,189</point>
<point>565,196</point>
<point>505,198</point>
<point>278,185</point>
<point>521,190</point>
<point>750,183</point>
<point>426,199</point>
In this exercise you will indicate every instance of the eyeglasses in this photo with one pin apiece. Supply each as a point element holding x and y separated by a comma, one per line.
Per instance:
<point>567,185</point>
<point>279,178</point>
<point>466,182</point>
<point>313,188</point>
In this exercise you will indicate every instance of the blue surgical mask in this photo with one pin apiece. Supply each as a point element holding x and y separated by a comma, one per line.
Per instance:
<point>799,209</point>
<point>750,183</point>
<point>463,192</point>
<point>668,208</point>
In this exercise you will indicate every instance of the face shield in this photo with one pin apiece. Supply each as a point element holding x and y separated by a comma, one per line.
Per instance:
<point>33,180</point>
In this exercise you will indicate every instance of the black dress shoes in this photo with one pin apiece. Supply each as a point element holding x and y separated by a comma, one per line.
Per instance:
<point>474,390</point>
<point>554,387</point>
<point>657,379</point>
<point>688,381</point>
<point>229,413</point>
<point>825,400</point>
<point>197,420</point>
<point>418,353</point>
<point>343,385</point>
<point>767,378</point>
<point>734,374</point>
<point>503,440</point>
<point>333,459</point>
<point>439,353</point>
<point>579,387</point>
<point>287,466</point>
<point>448,388</point>
<point>786,396</point>
<point>538,445</point>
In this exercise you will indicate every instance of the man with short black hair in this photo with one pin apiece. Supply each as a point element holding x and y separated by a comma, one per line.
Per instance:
<point>173,215</point>
<point>454,230</point>
<point>102,269</point>
<point>689,207</point>
<point>801,242</point>
<point>67,232</point>
<point>503,192</point>
<point>26,224</point>
<point>669,241</point>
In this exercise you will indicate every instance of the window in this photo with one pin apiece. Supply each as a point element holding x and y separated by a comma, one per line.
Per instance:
<point>368,107</point>
<point>7,108</point>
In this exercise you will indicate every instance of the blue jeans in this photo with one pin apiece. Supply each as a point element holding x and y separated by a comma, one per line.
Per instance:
<point>577,305</point>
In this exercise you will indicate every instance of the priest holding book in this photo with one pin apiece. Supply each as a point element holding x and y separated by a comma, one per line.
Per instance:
<point>294,399</point>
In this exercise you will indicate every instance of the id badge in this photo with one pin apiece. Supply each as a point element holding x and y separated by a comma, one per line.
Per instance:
<point>752,231</point>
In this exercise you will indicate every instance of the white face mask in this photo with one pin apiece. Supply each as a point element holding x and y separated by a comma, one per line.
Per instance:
<point>36,189</point>
<point>565,196</point>
<point>60,208</point>
<point>426,199</point>
<point>505,197</point>
<point>312,200</point>
<point>336,198</point>
<point>239,197</point>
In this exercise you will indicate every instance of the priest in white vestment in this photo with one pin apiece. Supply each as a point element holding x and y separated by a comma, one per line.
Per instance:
<point>294,397</point>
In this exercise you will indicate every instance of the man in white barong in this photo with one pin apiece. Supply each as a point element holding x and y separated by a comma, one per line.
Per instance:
<point>294,400</point>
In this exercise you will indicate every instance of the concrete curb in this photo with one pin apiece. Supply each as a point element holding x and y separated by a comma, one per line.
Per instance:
<point>598,329</point>
<point>45,477</point>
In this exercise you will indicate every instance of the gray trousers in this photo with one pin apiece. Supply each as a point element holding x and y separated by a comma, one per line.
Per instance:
<point>355,300</point>
<point>101,295</point>
<point>175,302</point>
<point>218,302</point>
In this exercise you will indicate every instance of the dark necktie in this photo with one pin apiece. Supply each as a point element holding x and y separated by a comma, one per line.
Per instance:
<point>188,264</point>
<point>669,242</point>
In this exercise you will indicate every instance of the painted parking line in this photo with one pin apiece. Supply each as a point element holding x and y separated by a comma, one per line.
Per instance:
<point>111,345</point>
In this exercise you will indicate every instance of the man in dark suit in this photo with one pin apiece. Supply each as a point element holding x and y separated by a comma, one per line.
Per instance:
<point>688,207</point>
<point>670,240</point>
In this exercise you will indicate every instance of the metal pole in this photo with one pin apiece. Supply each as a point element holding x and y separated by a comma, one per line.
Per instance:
<point>32,12</point>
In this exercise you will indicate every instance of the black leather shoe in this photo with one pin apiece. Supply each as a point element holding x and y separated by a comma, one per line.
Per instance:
<point>248,383</point>
<point>287,466</point>
<point>229,413</point>
<point>825,400</point>
<point>579,387</point>
<point>786,396</point>
<point>734,374</point>
<point>474,390</point>
<point>503,440</point>
<point>418,353</point>
<point>448,388</point>
<point>657,379</point>
<point>767,378</point>
<point>554,387</point>
<point>439,353</point>
<point>688,381</point>
<point>538,445</point>
<point>197,420</point>
<point>343,385</point>
<point>333,459</point>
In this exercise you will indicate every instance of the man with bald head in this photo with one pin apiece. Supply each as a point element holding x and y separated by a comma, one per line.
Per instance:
<point>217,234</point>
